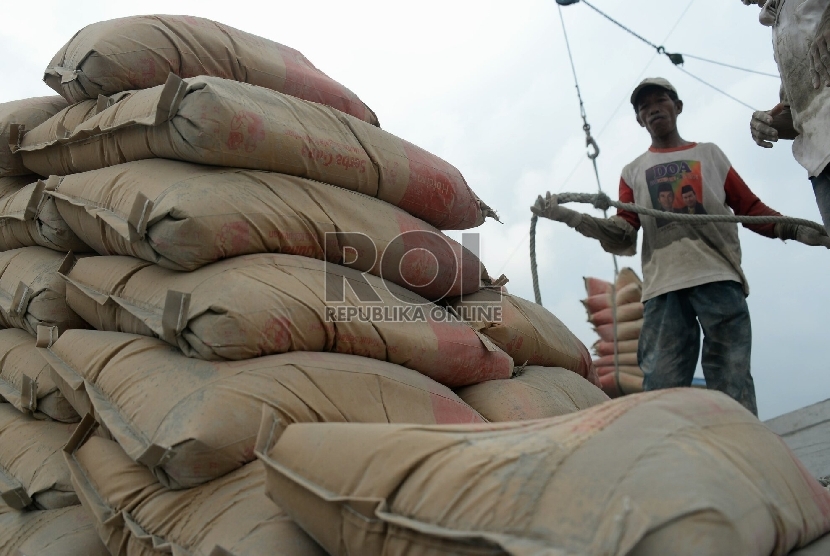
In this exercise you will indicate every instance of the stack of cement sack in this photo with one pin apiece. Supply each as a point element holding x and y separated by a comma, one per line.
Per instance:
<point>267,255</point>
<point>620,373</point>
<point>40,513</point>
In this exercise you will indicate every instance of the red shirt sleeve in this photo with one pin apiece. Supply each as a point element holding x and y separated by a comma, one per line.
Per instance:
<point>745,203</point>
<point>627,196</point>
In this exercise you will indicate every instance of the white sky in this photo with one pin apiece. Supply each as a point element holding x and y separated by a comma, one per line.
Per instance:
<point>487,86</point>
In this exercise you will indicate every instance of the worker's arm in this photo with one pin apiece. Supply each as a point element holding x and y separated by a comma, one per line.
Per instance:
<point>745,203</point>
<point>768,126</point>
<point>617,235</point>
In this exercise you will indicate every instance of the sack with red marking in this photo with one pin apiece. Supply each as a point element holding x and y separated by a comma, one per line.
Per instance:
<point>218,122</point>
<point>264,304</point>
<point>139,52</point>
<point>183,216</point>
<point>191,421</point>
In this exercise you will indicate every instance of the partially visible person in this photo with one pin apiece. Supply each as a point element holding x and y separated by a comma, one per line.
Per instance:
<point>692,275</point>
<point>801,39</point>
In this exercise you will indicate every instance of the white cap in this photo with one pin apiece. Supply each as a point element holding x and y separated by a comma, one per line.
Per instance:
<point>651,82</point>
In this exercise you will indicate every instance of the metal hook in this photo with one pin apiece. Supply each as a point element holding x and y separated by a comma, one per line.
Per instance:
<point>590,142</point>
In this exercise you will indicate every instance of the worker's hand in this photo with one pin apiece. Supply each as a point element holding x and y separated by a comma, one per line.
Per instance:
<point>769,126</point>
<point>548,206</point>
<point>819,53</point>
<point>812,237</point>
<point>802,234</point>
<point>763,133</point>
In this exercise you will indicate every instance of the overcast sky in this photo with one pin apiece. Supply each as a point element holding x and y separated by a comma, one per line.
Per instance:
<point>487,86</point>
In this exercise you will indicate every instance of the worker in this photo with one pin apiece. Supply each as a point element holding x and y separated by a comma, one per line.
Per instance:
<point>801,40</point>
<point>692,276</point>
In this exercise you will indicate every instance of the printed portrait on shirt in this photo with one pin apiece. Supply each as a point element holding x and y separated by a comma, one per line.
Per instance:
<point>676,187</point>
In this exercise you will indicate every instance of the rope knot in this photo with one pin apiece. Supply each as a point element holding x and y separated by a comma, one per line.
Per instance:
<point>602,201</point>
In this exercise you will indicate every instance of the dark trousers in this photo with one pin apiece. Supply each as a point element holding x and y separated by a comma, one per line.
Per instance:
<point>821,188</point>
<point>670,340</point>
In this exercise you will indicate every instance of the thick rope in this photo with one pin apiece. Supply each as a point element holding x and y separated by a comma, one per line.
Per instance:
<point>603,202</point>
<point>533,271</point>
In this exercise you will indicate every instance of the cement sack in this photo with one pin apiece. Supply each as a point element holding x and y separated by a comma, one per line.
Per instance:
<point>596,286</point>
<point>134,514</point>
<point>28,218</point>
<point>627,276</point>
<point>28,113</point>
<point>26,379</point>
<point>602,349</point>
<point>616,384</point>
<point>9,185</point>
<point>535,393</point>
<point>527,332</point>
<point>139,52</point>
<point>208,120</point>
<point>171,413</point>
<point>628,294</point>
<point>265,304</point>
<point>64,532</point>
<point>670,472</point>
<point>194,215</point>
<point>625,331</point>
<point>32,292</point>
<point>625,313</point>
<point>621,359</point>
<point>32,471</point>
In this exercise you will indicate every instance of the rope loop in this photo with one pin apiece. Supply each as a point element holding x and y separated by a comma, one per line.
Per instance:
<point>601,201</point>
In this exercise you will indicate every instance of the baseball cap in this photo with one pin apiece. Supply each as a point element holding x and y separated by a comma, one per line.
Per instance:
<point>651,82</point>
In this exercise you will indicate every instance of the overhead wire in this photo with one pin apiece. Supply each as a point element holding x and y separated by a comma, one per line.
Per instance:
<point>721,91</point>
<point>676,58</point>
<point>739,68</point>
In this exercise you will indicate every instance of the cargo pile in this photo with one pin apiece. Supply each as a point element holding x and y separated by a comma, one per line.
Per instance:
<point>616,312</point>
<point>232,326</point>
<point>205,241</point>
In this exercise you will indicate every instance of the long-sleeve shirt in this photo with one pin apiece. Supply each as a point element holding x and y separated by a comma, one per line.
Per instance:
<point>679,255</point>
<point>794,25</point>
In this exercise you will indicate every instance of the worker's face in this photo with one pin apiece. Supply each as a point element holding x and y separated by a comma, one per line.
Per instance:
<point>754,2</point>
<point>657,112</point>
<point>666,199</point>
<point>689,199</point>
